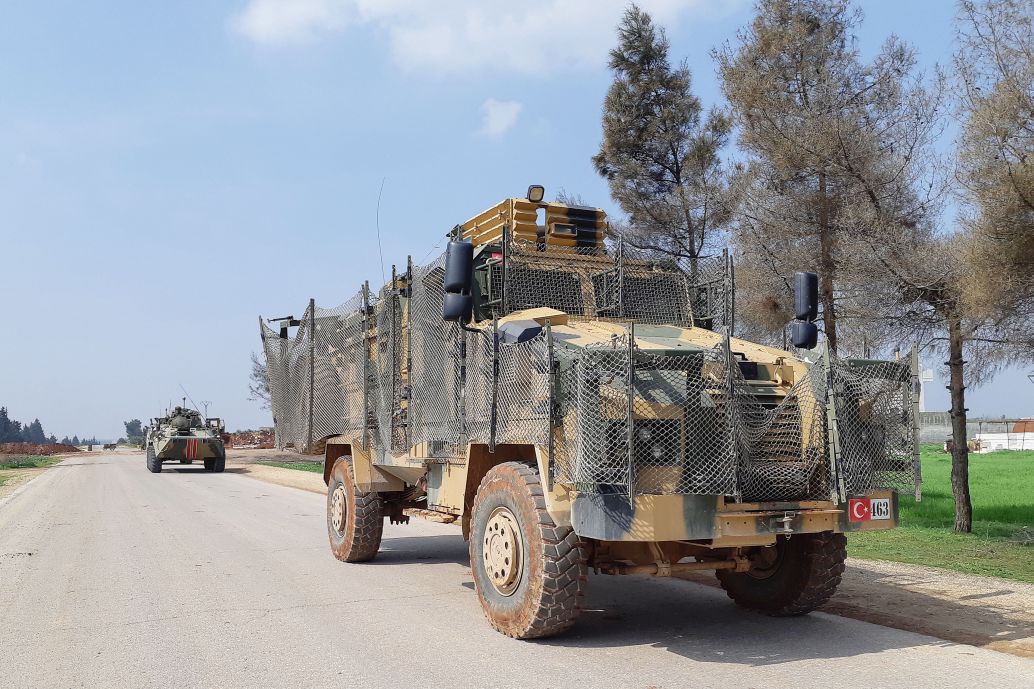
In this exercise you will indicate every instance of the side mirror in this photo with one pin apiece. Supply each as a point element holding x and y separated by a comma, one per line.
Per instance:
<point>458,308</point>
<point>459,267</point>
<point>804,334</point>
<point>806,296</point>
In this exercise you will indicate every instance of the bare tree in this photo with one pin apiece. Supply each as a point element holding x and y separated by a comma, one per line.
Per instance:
<point>660,151</point>
<point>258,384</point>
<point>570,198</point>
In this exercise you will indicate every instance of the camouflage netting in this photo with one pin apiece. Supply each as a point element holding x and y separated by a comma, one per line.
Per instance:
<point>875,424</point>
<point>616,418</point>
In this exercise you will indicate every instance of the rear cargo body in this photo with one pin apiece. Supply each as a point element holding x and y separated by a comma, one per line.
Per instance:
<point>595,413</point>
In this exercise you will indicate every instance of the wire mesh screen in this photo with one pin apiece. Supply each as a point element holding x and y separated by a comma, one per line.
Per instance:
<point>523,400</point>
<point>389,354</point>
<point>287,368</point>
<point>712,292</point>
<point>875,424</point>
<point>781,438</point>
<point>612,418</point>
<point>340,369</point>
<point>682,441</point>
<point>586,282</point>
<point>634,422</point>
<point>480,387</point>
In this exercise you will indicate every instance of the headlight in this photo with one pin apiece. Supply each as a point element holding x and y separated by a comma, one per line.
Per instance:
<point>657,451</point>
<point>643,434</point>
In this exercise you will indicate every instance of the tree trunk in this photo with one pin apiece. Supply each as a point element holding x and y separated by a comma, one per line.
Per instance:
<point>826,268</point>
<point>960,449</point>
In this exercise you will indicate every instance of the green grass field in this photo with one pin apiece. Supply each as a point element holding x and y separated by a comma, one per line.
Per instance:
<point>1002,486</point>
<point>27,461</point>
<point>8,462</point>
<point>300,466</point>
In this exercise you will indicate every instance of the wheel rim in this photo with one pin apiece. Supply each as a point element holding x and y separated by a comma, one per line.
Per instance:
<point>337,510</point>
<point>502,555</point>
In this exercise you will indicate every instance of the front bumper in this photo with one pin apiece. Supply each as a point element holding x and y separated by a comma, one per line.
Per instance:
<point>710,518</point>
<point>192,448</point>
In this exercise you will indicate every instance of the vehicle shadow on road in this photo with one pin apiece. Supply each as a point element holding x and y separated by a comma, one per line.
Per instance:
<point>447,548</point>
<point>700,623</point>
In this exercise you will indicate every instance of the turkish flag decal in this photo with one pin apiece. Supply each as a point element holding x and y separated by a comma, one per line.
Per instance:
<point>858,510</point>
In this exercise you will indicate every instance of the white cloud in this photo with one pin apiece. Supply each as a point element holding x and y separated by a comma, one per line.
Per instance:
<point>287,22</point>
<point>465,36</point>
<point>499,117</point>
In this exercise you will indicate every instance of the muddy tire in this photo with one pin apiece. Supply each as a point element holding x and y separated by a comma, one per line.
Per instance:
<point>219,465</point>
<point>800,575</point>
<point>209,464</point>
<point>154,465</point>
<point>530,574</point>
<point>355,520</point>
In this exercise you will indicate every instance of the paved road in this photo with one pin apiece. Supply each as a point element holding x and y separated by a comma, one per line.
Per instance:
<point>114,577</point>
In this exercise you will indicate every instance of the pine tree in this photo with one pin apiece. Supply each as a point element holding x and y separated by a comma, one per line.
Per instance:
<point>34,432</point>
<point>5,426</point>
<point>834,158</point>
<point>659,152</point>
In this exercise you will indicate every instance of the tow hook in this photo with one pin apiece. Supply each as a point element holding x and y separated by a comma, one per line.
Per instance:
<point>784,523</point>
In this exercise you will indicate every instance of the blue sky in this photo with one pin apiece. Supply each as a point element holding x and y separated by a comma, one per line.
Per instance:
<point>169,171</point>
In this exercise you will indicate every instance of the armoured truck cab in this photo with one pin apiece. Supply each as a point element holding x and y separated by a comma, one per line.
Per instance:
<point>183,435</point>
<point>575,403</point>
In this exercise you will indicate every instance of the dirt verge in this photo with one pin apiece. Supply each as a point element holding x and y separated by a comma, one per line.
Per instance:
<point>293,478</point>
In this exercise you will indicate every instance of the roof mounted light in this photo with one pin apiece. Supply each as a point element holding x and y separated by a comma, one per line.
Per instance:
<point>536,192</point>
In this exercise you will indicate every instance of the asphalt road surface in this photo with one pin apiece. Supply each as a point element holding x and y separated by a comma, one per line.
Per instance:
<point>113,577</point>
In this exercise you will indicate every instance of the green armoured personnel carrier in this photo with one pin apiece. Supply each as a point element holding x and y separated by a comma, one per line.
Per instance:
<point>577,407</point>
<point>184,436</point>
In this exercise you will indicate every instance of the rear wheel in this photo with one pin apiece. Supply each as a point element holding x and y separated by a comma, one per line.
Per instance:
<point>355,519</point>
<point>530,574</point>
<point>154,465</point>
<point>792,577</point>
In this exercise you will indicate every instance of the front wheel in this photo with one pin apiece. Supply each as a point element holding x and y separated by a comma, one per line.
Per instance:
<point>355,519</point>
<point>154,465</point>
<point>530,574</point>
<point>792,577</point>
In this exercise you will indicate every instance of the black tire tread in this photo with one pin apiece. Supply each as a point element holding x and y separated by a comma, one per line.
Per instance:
<point>154,465</point>
<point>815,582</point>
<point>565,572</point>
<point>367,519</point>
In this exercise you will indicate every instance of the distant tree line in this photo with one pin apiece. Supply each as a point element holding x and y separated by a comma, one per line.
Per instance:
<point>12,431</point>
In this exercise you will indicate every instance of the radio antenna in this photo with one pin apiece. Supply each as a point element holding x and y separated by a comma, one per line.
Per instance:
<point>380,251</point>
<point>188,395</point>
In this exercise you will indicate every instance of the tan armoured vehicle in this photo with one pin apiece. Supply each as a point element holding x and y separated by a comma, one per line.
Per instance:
<point>558,397</point>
